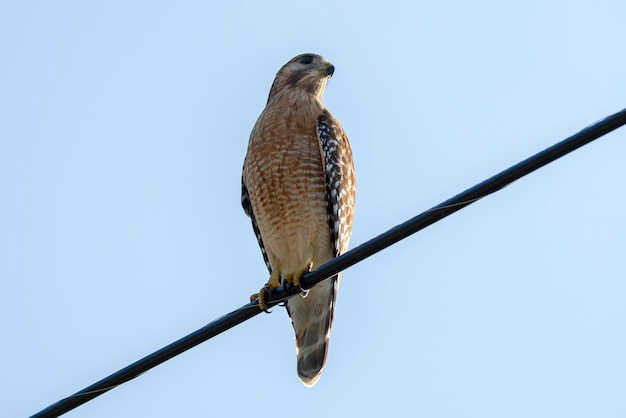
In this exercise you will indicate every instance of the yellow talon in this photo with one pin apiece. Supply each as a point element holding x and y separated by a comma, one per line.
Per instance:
<point>294,278</point>
<point>274,283</point>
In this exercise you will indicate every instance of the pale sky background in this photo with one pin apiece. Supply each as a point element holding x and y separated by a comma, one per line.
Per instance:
<point>123,131</point>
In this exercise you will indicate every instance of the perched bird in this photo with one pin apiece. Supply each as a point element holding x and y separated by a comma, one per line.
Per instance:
<point>298,188</point>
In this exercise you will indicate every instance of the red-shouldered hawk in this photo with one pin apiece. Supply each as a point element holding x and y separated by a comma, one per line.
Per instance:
<point>298,188</point>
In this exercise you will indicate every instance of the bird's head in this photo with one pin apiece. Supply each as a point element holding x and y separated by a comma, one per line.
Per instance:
<point>306,73</point>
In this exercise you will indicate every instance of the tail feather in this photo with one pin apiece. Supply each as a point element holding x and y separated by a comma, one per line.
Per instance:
<point>312,319</point>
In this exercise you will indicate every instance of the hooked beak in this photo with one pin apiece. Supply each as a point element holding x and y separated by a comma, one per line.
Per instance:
<point>327,69</point>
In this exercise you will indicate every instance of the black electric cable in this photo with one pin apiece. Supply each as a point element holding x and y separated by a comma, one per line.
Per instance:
<point>346,260</point>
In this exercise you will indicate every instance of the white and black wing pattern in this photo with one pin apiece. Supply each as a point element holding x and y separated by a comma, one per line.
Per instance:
<point>247,208</point>
<point>339,180</point>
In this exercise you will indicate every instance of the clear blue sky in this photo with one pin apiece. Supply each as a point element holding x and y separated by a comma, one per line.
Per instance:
<point>123,131</point>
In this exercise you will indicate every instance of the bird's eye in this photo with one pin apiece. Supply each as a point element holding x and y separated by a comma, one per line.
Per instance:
<point>305,59</point>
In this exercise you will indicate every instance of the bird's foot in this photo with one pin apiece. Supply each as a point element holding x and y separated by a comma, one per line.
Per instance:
<point>293,278</point>
<point>274,282</point>
<point>266,291</point>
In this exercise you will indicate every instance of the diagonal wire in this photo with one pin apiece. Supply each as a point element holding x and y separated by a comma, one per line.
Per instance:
<point>342,262</point>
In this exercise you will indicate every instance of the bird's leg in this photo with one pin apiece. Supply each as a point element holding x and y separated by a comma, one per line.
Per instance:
<point>266,291</point>
<point>293,278</point>
<point>274,283</point>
